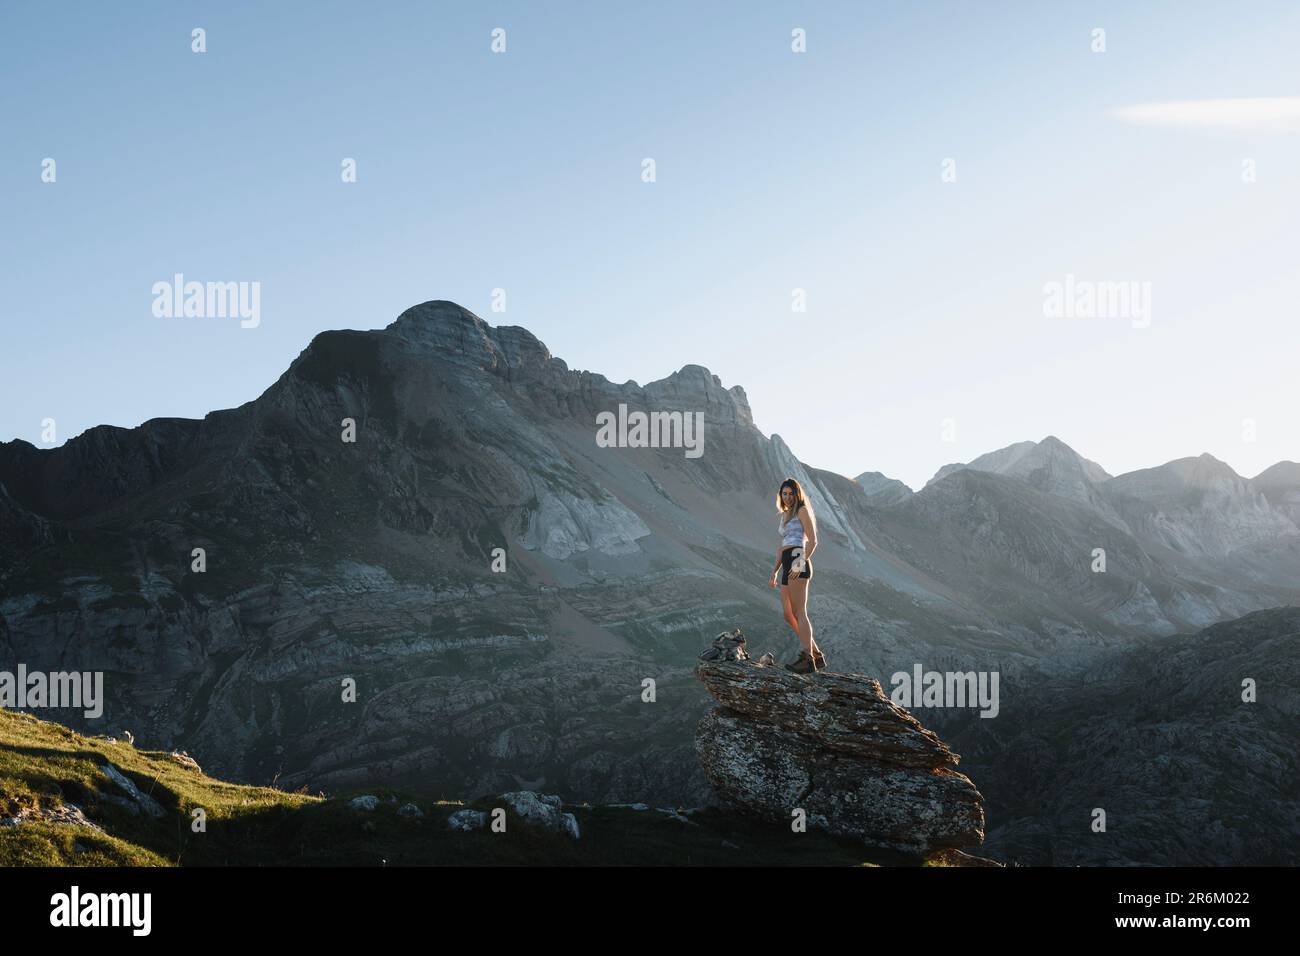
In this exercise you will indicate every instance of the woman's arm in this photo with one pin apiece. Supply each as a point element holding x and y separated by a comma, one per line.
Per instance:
<point>810,529</point>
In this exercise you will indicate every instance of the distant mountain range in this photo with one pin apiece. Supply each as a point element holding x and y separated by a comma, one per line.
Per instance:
<point>374,560</point>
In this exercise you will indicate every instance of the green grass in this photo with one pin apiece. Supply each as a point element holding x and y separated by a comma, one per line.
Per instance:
<point>45,765</point>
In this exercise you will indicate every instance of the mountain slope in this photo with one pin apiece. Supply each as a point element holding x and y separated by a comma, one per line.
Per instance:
<point>61,806</point>
<point>882,490</point>
<point>376,561</point>
<point>1049,466</point>
<point>1280,485</point>
<point>1197,506</point>
<point>1160,738</point>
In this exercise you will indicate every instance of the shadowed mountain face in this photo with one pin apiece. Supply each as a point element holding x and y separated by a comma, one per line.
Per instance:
<point>1162,739</point>
<point>375,561</point>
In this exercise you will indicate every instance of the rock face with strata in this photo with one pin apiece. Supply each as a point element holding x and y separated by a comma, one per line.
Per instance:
<point>376,561</point>
<point>835,746</point>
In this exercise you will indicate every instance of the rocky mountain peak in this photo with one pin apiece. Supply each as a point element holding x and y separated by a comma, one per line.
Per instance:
<point>1049,465</point>
<point>514,353</point>
<point>695,388</point>
<point>1198,506</point>
<point>1202,472</point>
<point>882,490</point>
<point>1054,454</point>
<point>1285,474</point>
<point>460,335</point>
<point>1280,485</point>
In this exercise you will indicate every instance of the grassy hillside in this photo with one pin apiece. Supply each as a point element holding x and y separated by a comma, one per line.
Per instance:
<point>45,767</point>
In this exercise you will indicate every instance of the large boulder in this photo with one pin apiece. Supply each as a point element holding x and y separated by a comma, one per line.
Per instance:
<point>835,746</point>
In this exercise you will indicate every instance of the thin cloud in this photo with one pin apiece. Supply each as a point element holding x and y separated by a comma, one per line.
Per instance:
<point>1268,114</point>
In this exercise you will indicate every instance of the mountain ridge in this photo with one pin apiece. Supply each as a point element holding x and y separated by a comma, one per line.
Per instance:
<point>374,560</point>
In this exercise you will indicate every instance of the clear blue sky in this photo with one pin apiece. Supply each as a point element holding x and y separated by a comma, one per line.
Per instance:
<point>775,171</point>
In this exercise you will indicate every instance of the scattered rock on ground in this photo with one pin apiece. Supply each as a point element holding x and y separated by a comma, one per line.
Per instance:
<point>185,760</point>
<point>727,646</point>
<point>467,820</point>
<point>68,813</point>
<point>140,801</point>
<point>542,810</point>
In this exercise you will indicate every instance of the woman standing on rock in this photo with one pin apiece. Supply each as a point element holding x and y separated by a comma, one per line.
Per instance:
<point>794,570</point>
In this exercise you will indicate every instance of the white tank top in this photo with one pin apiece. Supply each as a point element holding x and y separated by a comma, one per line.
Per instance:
<point>791,531</point>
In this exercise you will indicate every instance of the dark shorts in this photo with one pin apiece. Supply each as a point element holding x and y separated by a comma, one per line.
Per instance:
<point>787,559</point>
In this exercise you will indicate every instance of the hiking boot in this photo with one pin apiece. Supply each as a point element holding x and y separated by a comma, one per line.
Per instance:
<point>819,660</point>
<point>804,665</point>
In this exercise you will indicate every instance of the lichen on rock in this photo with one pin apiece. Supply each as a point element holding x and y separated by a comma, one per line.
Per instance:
<point>836,747</point>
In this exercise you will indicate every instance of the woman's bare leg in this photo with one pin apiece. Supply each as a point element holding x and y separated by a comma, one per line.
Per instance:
<point>788,610</point>
<point>799,602</point>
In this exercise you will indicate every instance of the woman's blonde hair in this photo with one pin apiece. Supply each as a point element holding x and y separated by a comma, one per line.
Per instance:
<point>799,498</point>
